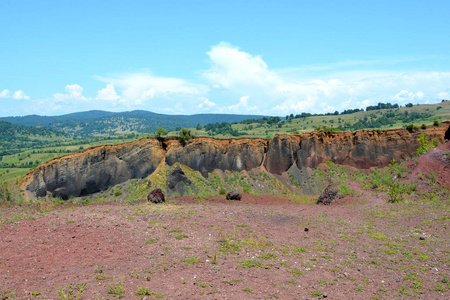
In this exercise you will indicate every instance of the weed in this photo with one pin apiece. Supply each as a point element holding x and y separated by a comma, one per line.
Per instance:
<point>35,293</point>
<point>192,260</point>
<point>249,290</point>
<point>150,241</point>
<point>117,289</point>
<point>296,272</point>
<point>68,292</point>
<point>202,284</point>
<point>268,256</point>
<point>143,291</point>
<point>316,293</point>
<point>250,263</point>
<point>378,236</point>
<point>181,236</point>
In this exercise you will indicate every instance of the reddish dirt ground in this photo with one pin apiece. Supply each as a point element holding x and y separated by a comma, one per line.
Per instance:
<point>263,247</point>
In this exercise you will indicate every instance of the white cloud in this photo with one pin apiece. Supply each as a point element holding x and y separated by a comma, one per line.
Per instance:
<point>242,105</point>
<point>206,104</point>
<point>74,92</point>
<point>20,95</point>
<point>5,93</point>
<point>138,88</point>
<point>280,91</point>
<point>404,96</point>
<point>108,93</point>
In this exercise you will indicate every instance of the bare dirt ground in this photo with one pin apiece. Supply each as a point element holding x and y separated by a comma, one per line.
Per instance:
<point>263,247</point>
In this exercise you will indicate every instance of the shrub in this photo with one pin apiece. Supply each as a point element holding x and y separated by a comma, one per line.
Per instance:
<point>412,128</point>
<point>425,144</point>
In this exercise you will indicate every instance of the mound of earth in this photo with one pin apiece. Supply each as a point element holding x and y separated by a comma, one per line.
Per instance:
<point>432,167</point>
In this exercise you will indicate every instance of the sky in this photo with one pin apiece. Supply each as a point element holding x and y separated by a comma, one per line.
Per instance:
<point>197,56</point>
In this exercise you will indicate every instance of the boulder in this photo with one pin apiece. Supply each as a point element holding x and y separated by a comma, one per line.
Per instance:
<point>156,196</point>
<point>328,196</point>
<point>234,196</point>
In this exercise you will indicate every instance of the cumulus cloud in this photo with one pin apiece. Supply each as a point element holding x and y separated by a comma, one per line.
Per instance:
<point>138,88</point>
<point>404,96</point>
<point>206,103</point>
<point>242,105</point>
<point>20,95</point>
<point>73,92</point>
<point>5,93</point>
<point>108,93</point>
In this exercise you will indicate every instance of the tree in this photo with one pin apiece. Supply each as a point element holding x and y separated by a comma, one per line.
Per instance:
<point>199,127</point>
<point>185,134</point>
<point>160,132</point>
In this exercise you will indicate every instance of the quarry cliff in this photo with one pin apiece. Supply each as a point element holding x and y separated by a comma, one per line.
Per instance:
<point>99,168</point>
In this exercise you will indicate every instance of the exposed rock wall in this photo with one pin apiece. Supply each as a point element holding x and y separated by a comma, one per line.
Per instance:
<point>98,168</point>
<point>95,169</point>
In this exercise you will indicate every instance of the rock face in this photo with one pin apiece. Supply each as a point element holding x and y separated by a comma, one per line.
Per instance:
<point>95,169</point>
<point>178,182</point>
<point>206,154</point>
<point>156,196</point>
<point>98,168</point>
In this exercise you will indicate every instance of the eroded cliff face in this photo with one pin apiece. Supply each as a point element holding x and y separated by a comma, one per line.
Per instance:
<point>98,168</point>
<point>95,169</point>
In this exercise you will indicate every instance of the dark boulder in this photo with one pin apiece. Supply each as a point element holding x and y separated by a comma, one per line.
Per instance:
<point>156,196</point>
<point>234,196</point>
<point>328,196</point>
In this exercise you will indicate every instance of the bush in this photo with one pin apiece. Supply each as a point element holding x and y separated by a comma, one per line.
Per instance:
<point>426,144</point>
<point>412,128</point>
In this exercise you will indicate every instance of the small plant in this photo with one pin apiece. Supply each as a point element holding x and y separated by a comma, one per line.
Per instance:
<point>192,260</point>
<point>143,291</point>
<point>181,236</point>
<point>250,264</point>
<point>316,293</point>
<point>117,289</point>
<point>378,236</point>
<point>394,193</point>
<point>68,292</point>
<point>150,241</point>
<point>222,191</point>
<point>35,293</point>
<point>425,144</point>
<point>249,290</point>
<point>296,272</point>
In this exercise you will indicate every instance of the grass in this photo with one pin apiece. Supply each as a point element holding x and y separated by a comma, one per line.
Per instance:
<point>250,263</point>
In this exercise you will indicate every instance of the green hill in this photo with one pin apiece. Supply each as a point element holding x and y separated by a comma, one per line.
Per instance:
<point>103,123</point>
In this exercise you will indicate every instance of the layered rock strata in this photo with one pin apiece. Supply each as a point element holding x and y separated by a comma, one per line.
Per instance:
<point>98,168</point>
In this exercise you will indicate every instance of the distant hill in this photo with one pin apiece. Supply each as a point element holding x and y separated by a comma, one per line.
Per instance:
<point>102,123</point>
<point>14,137</point>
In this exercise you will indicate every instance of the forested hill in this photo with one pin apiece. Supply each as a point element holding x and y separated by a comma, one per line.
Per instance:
<point>96,122</point>
<point>15,137</point>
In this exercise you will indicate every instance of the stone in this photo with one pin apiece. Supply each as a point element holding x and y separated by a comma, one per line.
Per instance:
<point>156,196</point>
<point>328,196</point>
<point>234,196</point>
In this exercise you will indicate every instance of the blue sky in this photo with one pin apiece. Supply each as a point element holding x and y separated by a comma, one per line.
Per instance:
<point>252,57</point>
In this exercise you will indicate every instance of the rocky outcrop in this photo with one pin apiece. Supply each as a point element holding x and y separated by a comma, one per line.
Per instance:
<point>98,168</point>
<point>178,183</point>
<point>206,154</point>
<point>95,169</point>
